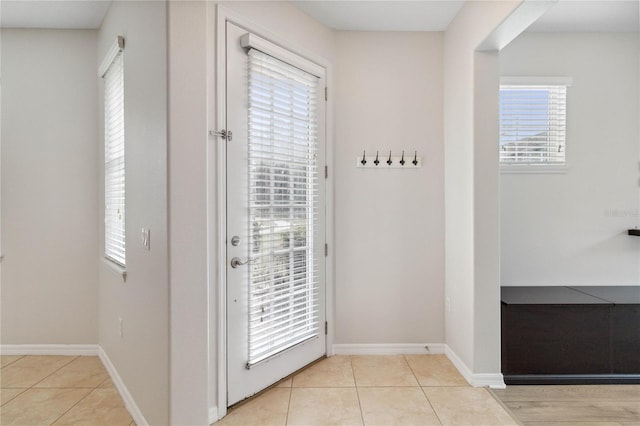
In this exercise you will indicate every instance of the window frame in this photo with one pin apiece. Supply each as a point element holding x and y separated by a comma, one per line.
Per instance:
<point>537,167</point>
<point>114,157</point>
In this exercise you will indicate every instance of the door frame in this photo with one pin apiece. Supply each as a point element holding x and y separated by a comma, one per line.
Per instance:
<point>217,16</point>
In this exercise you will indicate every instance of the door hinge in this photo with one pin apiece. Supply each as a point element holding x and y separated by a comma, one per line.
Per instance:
<point>224,134</point>
<point>326,93</point>
<point>326,249</point>
<point>326,328</point>
<point>326,172</point>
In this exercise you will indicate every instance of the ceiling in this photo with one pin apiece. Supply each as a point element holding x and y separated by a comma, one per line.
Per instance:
<point>59,14</point>
<point>590,16</point>
<point>431,15</point>
<point>394,15</point>
<point>353,15</point>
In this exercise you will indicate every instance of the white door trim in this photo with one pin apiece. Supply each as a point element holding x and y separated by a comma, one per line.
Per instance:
<point>216,194</point>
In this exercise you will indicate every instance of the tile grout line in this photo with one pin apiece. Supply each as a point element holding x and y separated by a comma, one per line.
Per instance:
<point>74,405</point>
<point>431,405</point>
<point>80,400</point>
<point>411,369</point>
<point>54,372</point>
<point>422,390</point>
<point>14,361</point>
<point>44,378</point>
<point>286,418</point>
<point>11,399</point>
<point>104,381</point>
<point>353,374</point>
<point>25,390</point>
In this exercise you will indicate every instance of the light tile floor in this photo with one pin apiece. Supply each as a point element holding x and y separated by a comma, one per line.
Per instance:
<point>373,390</point>
<point>60,390</point>
<point>342,390</point>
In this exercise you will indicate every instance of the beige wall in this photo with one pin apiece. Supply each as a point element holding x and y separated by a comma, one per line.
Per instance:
<point>389,224</point>
<point>471,187</point>
<point>49,187</point>
<point>570,228</point>
<point>141,355</point>
<point>187,43</point>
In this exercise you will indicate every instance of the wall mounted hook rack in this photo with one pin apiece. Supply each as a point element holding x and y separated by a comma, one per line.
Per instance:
<point>392,161</point>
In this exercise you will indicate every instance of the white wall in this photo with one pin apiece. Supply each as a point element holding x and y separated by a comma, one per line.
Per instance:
<point>191,115</point>
<point>141,356</point>
<point>570,229</point>
<point>389,224</point>
<point>471,187</point>
<point>49,187</point>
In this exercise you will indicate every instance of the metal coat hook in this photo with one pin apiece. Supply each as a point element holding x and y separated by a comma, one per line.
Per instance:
<point>415,159</point>
<point>402,159</point>
<point>376,161</point>
<point>364,158</point>
<point>389,160</point>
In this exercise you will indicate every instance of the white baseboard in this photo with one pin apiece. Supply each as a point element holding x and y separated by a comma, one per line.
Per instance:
<point>389,349</point>
<point>82,350</point>
<point>492,380</point>
<point>461,366</point>
<point>213,414</point>
<point>68,350</point>
<point>129,402</point>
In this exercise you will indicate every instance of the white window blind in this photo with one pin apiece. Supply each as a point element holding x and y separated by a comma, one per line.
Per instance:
<point>533,124</point>
<point>283,199</point>
<point>114,174</point>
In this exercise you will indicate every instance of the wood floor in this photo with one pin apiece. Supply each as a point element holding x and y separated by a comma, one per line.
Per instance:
<point>591,405</point>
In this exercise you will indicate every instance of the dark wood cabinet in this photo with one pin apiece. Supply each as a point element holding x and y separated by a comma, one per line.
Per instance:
<point>570,335</point>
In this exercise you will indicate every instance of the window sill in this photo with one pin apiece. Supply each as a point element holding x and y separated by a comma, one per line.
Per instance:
<point>533,169</point>
<point>113,267</point>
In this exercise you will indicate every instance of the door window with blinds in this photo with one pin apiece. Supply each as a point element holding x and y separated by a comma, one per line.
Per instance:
<point>283,202</point>
<point>533,124</point>
<point>114,155</point>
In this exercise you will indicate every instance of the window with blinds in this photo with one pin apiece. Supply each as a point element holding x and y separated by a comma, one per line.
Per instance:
<point>283,203</point>
<point>533,124</point>
<point>114,173</point>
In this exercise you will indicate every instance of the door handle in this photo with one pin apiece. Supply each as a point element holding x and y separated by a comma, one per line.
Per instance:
<point>235,262</point>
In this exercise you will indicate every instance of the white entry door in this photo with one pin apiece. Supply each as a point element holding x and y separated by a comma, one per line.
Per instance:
<point>275,213</point>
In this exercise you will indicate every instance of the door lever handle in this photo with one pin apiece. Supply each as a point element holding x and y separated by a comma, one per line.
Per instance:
<point>235,262</point>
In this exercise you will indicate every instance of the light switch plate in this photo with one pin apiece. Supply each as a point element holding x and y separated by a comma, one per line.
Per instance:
<point>146,238</point>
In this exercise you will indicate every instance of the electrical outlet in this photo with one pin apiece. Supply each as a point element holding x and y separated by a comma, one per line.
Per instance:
<point>447,303</point>
<point>121,322</point>
<point>146,238</point>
